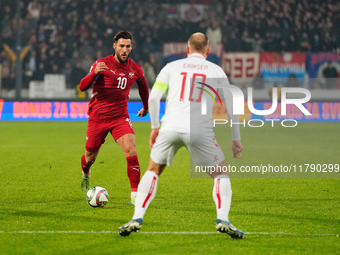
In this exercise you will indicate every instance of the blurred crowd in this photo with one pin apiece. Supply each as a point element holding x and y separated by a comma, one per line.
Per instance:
<point>67,36</point>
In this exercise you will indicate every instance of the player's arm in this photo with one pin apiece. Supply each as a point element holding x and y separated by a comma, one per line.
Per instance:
<point>159,88</point>
<point>92,76</point>
<point>144,95</point>
<point>235,129</point>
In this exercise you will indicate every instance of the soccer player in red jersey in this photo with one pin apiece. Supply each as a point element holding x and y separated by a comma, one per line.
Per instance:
<point>112,78</point>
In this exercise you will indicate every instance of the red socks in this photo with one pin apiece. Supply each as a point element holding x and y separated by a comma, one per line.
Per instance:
<point>85,165</point>
<point>133,172</point>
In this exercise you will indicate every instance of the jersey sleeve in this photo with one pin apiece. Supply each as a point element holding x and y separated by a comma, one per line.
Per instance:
<point>143,88</point>
<point>159,88</point>
<point>162,80</point>
<point>228,100</point>
<point>89,79</point>
<point>154,104</point>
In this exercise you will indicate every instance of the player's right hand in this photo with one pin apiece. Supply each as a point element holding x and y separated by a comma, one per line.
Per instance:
<point>142,112</point>
<point>237,149</point>
<point>153,136</point>
<point>100,67</point>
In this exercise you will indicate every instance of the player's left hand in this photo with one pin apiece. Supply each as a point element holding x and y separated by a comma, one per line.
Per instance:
<point>237,149</point>
<point>142,112</point>
<point>153,136</point>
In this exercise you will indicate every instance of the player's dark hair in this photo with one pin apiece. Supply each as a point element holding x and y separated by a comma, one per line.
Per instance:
<point>123,34</point>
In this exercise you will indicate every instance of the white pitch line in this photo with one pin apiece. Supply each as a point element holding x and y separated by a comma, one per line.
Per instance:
<point>160,233</point>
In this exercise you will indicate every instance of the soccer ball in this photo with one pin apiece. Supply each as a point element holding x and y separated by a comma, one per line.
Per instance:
<point>97,196</point>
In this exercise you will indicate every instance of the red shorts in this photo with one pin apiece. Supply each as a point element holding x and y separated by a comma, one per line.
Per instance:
<point>97,131</point>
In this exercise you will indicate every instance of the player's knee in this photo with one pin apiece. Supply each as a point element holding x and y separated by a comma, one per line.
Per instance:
<point>156,168</point>
<point>130,151</point>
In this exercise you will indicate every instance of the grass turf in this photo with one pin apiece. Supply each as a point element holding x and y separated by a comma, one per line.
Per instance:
<point>40,176</point>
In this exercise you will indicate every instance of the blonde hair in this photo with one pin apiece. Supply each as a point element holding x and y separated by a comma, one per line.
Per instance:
<point>198,42</point>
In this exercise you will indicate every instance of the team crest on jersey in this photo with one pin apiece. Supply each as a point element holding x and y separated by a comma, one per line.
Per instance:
<point>131,74</point>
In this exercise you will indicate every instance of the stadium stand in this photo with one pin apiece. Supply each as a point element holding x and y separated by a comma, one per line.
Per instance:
<point>60,33</point>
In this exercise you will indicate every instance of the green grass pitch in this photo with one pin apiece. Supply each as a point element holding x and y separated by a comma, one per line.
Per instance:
<point>43,210</point>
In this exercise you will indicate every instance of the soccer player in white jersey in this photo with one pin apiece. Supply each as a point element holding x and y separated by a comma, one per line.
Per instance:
<point>176,78</point>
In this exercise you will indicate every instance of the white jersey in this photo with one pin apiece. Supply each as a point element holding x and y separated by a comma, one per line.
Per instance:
<point>184,98</point>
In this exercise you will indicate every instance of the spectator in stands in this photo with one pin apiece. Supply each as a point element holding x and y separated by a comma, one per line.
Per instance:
<point>214,32</point>
<point>245,42</point>
<point>67,71</point>
<point>7,76</point>
<point>33,10</point>
<point>328,42</point>
<point>86,49</point>
<point>50,31</point>
<point>291,44</point>
<point>38,75</point>
<point>32,62</point>
<point>304,44</point>
<point>330,73</point>
<point>76,75</point>
<point>55,69</point>
<point>247,25</point>
<point>233,44</point>
<point>149,45</point>
<point>192,14</point>
<point>75,58</point>
<point>256,43</point>
<point>149,73</point>
<point>316,44</point>
<point>86,62</point>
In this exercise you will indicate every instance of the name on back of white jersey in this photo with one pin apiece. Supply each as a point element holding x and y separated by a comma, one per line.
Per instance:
<point>193,66</point>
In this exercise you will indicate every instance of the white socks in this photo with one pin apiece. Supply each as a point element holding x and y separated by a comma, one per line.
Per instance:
<point>222,196</point>
<point>148,186</point>
<point>145,194</point>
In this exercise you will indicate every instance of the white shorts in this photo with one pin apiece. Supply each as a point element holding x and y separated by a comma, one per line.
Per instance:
<point>204,150</point>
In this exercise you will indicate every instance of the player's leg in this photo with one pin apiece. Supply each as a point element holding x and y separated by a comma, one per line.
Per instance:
<point>87,160</point>
<point>95,137</point>
<point>147,189</point>
<point>222,197</point>
<point>222,192</point>
<point>146,193</point>
<point>127,143</point>
<point>123,133</point>
<point>205,151</point>
<point>162,153</point>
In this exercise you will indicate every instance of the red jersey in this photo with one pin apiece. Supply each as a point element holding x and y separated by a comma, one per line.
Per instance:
<point>111,88</point>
